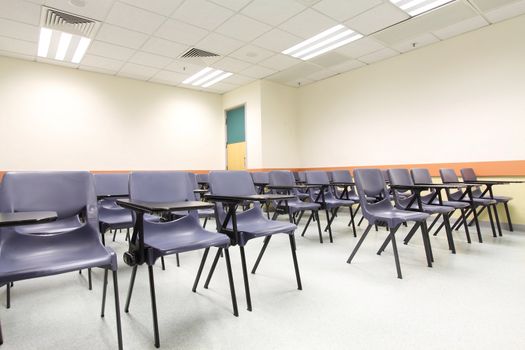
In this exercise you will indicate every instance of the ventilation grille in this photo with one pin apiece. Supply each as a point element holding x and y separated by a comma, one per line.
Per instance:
<point>66,22</point>
<point>198,53</point>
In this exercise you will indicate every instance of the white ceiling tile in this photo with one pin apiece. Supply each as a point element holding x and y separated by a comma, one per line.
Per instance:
<point>230,64</point>
<point>258,72</point>
<point>18,46</point>
<point>17,55</point>
<point>277,40</point>
<point>184,67</point>
<point>329,59</point>
<point>347,66</point>
<point>163,7</point>
<point>461,27</point>
<point>19,30</point>
<point>415,42</point>
<point>299,71</point>
<point>202,13</point>
<point>133,18</point>
<point>219,44</point>
<point>253,54</point>
<point>96,9</point>
<point>120,36</point>
<point>98,70</point>
<point>150,60</point>
<point>323,74</point>
<point>240,79</point>
<point>298,82</point>
<point>132,70</point>
<point>379,55</point>
<point>360,47</point>
<point>164,47</point>
<point>376,19</point>
<point>168,77</point>
<point>101,62</point>
<point>235,5</point>
<point>181,32</point>
<point>280,62</point>
<point>116,52</point>
<point>505,12</point>
<point>486,5</point>
<point>20,11</point>
<point>222,87</point>
<point>308,23</point>
<point>272,12</point>
<point>243,28</point>
<point>342,10</point>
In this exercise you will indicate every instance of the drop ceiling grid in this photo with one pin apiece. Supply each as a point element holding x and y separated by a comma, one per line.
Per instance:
<point>23,13</point>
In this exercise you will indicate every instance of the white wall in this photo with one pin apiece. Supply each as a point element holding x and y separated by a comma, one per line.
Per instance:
<point>442,103</point>
<point>279,125</point>
<point>59,118</point>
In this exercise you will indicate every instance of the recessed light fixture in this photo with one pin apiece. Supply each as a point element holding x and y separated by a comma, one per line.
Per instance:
<point>416,7</point>
<point>207,77</point>
<point>328,40</point>
<point>62,46</point>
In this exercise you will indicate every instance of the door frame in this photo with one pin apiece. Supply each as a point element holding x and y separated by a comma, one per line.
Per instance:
<point>226,133</point>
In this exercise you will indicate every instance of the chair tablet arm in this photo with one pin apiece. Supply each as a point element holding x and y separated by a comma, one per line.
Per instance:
<point>250,198</point>
<point>27,218</point>
<point>153,207</point>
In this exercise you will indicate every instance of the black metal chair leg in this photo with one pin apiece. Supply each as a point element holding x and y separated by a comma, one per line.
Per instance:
<point>153,306</point>
<point>230,280</point>
<point>424,230</point>
<point>496,217</point>
<point>360,221</point>
<point>212,269</point>
<point>199,272</point>
<point>114,235</point>
<point>396,254</point>
<point>295,264</point>
<point>467,233</point>
<point>205,222</point>
<point>316,217</point>
<point>450,236</point>
<point>104,289</point>
<point>130,288</point>
<point>329,226</point>
<point>459,221</point>
<point>246,282</point>
<point>178,260</point>
<point>334,215</point>
<point>491,220</point>
<point>507,212</point>
<point>471,222</point>
<point>117,310</point>
<point>434,222</point>
<point>384,245</point>
<point>162,263</point>
<point>8,296</point>
<point>476,221</point>
<point>102,237</point>
<point>127,234</point>
<point>261,253</point>
<point>411,233</point>
<point>90,285</point>
<point>300,217</point>
<point>352,220</point>
<point>349,261</point>
<point>307,223</point>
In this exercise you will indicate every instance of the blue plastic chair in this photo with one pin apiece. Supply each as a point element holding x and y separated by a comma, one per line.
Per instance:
<point>167,237</point>
<point>296,207</point>
<point>328,200</point>
<point>249,224</point>
<point>260,177</point>
<point>112,216</point>
<point>36,254</point>
<point>371,184</point>
<point>203,213</point>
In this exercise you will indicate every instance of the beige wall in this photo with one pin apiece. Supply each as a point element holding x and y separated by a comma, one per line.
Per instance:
<point>442,103</point>
<point>58,118</point>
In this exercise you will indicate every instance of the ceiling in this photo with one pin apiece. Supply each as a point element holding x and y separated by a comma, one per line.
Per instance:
<point>142,39</point>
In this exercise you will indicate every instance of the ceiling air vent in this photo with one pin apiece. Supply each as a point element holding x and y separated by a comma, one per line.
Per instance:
<point>66,22</point>
<point>198,53</point>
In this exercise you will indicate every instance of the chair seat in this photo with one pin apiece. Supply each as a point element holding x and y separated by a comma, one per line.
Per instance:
<point>394,216</point>
<point>500,199</point>
<point>58,226</point>
<point>302,195</point>
<point>455,205</point>
<point>181,235</point>
<point>300,205</point>
<point>335,202</point>
<point>116,219</point>
<point>58,253</point>
<point>434,209</point>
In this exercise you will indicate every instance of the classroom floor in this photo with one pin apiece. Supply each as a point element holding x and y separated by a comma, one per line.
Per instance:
<point>471,300</point>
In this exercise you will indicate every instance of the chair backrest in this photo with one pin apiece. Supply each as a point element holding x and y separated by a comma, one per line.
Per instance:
<point>160,186</point>
<point>421,176</point>
<point>227,182</point>
<point>302,176</point>
<point>67,193</point>
<point>342,176</point>
<point>260,176</point>
<point>448,175</point>
<point>194,185</point>
<point>370,183</point>
<point>384,172</point>
<point>281,178</point>
<point>400,177</point>
<point>111,184</point>
<point>317,177</point>
<point>296,176</point>
<point>202,178</point>
<point>468,174</point>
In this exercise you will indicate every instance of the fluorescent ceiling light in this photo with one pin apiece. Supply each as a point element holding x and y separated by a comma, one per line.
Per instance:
<point>207,77</point>
<point>63,45</point>
<point>44,41</point>
<point>67,42</point>
<point>416,7</point>
<point>323,42</point>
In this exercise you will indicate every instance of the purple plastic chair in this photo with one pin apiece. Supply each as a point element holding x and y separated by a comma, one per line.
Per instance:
<point>249,224</point>
<point>261,177</point>
<point>449,176</point>
<point>409,202</point>
<point>36,254</point>
<point>328,200</point>
<point>203,213</point>
<point>371,184</point>
<point>422,176</point>
<point>202,180</point>
<point>295,206</point>
<point>468,175</point>
<point>111,216</point>
<point>164,238</point>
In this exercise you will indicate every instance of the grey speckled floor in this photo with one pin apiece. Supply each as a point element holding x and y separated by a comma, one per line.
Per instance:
<point>471,300</point>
